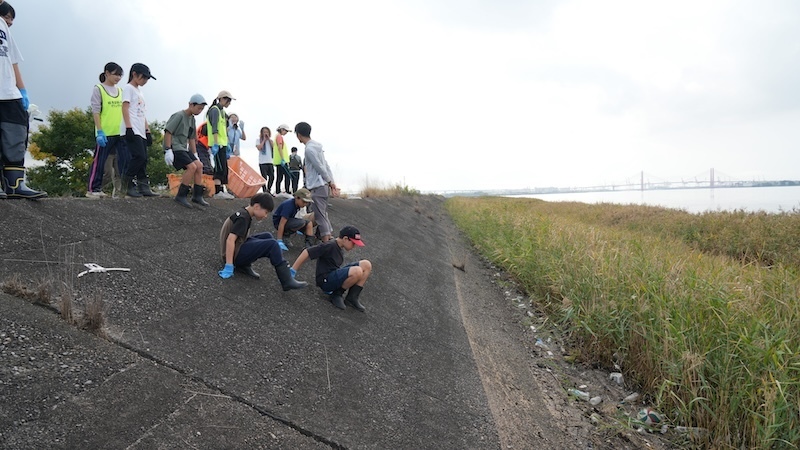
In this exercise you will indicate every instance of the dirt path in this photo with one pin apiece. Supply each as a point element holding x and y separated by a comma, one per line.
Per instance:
<point>526,391</point>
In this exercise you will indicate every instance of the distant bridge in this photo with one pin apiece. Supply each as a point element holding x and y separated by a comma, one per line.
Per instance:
<point>641,181</point>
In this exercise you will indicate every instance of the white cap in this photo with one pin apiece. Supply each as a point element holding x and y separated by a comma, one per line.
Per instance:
<point>283,126</point>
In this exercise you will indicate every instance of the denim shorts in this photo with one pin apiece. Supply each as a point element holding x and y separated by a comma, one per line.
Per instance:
<point>335,279</point>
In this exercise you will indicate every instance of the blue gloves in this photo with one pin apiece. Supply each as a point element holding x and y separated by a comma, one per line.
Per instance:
<point>228,152</point>
<point>25,101</point>
<point>293,272</point>
<point>282,245</point>
<point>214,149</point>
<point>101,138</point>
<point>226,272</point>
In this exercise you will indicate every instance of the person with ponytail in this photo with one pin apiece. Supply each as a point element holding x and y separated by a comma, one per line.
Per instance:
<point>217,130</point>
<point>106,102</point>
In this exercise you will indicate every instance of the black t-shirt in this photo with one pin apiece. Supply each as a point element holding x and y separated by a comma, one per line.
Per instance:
<point>241,223</point>
<point>329,257</point>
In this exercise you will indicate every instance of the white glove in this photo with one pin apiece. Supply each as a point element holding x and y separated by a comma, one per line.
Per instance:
<point>241,125</point>
<point>169,157</point>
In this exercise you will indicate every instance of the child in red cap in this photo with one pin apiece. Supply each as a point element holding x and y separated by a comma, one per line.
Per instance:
<point>332,277</point>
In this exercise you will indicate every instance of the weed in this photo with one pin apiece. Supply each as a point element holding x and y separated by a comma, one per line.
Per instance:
<point>699,310</point>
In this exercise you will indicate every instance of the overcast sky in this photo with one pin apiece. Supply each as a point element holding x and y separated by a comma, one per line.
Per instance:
<point>455,95</point>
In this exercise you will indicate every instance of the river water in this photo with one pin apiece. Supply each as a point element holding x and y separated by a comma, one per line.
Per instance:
<point>771,199</point>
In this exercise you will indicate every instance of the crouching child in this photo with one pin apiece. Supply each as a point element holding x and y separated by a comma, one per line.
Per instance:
<point>287,224</point>
<point>240,251</point>
<point>331,277</point>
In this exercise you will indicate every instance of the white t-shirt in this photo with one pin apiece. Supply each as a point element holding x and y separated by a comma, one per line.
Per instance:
<point>133,95</point>
<point>9,55</point>
<point>265,154</point>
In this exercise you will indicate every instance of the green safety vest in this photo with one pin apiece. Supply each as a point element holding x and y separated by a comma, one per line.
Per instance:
<point>110,111</point>
<point>222,128</point>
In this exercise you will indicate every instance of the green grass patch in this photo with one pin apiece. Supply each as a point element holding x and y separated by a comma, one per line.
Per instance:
<point>701,310</point>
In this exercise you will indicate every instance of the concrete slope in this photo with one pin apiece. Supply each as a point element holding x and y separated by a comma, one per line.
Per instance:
<point>197,361</point>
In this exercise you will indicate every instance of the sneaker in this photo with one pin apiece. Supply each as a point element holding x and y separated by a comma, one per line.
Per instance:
<point>91,194</point>
<point>224,195</point>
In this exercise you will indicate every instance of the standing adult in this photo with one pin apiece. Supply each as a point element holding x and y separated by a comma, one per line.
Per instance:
<point>319,180</point>
<point>217,128</point>
<point>280,156</point>
<point>264,146</point>
<point>137,132</point>
<point>13,118</point>
<point>235,133</point>
<point>106,104</point>
<point>295,166</point>
<point>180,151</point>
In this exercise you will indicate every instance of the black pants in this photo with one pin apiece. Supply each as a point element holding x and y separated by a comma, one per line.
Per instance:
<point>282,177</point>
<point>295,180</point>
<point>268,172</point>
<point>221,165</point>
<point>137,151</point>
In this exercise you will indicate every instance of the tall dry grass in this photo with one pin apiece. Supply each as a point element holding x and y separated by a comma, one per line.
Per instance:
<point>701,310</point>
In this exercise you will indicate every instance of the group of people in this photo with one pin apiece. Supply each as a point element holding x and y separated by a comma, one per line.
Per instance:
<point>122,135</point>
<point>275,163</point>
<point>239,250</point>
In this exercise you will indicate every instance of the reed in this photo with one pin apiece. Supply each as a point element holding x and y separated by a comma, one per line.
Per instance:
<point>701,310</point>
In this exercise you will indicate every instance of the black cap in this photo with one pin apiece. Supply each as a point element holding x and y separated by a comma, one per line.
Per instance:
<point>143,70</point>
<point>353,234</point>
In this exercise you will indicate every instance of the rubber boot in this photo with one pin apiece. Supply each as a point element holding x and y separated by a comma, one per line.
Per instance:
<point>14,181</point>
<point>3,195</point>
<point>352,298</point>
<point>287,280</point>
<point>144,188</point>
<point>197,196</point>
<point>337,300</point>
<point>310,240</point>
<point>247,270</point>
<point>129,188</point>
<point>183,191</point>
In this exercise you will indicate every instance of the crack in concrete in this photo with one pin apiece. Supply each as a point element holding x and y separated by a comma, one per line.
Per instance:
<point>237,398</point>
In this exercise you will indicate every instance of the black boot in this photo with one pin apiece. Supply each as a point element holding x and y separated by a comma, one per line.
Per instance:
<point>144,188</point>
<point>197,196</point>
<point>287,280</point>
<point>3,195</point>
<point>14,181</point>
<point>310,241</point>
<point>352,298</point>
<point>247,270</point>
<point>183,191</point>
<point>337,300</point>
<point>129,188</point>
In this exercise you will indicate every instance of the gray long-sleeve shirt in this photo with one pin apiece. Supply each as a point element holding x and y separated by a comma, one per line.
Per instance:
<point>318,173</point>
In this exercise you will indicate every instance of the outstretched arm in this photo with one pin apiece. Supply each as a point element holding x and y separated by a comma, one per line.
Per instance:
<point>298,263</point>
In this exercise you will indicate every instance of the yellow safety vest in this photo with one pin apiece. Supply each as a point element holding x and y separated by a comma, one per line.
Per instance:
<point>222,128</point>
<point>110,111</point>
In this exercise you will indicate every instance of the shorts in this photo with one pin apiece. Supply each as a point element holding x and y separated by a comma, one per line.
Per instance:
<point>293,224</point>
<point>183,158</point>
<point>335,279</point>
